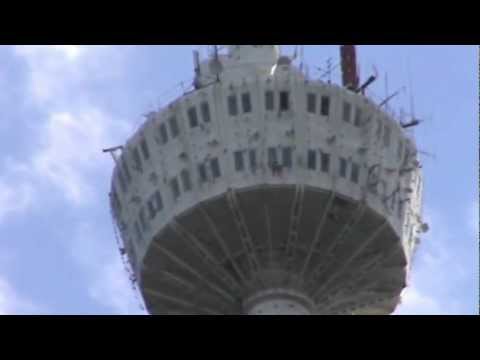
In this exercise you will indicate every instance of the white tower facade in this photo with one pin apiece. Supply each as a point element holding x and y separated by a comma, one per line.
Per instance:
<point>266,192</point>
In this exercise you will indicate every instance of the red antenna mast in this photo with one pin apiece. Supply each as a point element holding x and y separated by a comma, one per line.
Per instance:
<point>350,75</point>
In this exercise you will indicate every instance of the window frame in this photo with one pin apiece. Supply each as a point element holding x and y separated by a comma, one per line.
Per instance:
<point>232,105</point>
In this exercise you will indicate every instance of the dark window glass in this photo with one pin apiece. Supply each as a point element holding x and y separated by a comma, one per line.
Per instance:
<point>137,160</point>
<point>386,136</point>
<point>358,117</point>
<point>325,160</point>
<point>355,173</point>
<point>175,188</point>
<point>202,173</point>
<point>312,160</point>
<point>192,117</point>
<point>187,184</point>
<point>174,130</point>
<point>121,180</point>
<point>246,103</point>
<point>253,160</point>
<point>205,109</point>
<point>287,157</point>
<point>126,171</point>
<point>284,100</point>
<point>343,167</point>
<point>144,147</point>
<point>137,231</point>
<point>347,111</point>
<point>312,103</point>
<point>163,134</point>
<point>143,221</point>
<point>232,105</point>
<point>400,150</point>
<point>239,164</point>
<point>215,165</point>
<point>116,201</point>
<point>325,106</point>
<point>155,204</point>
<point>269,100</point>
<point>272,156</point>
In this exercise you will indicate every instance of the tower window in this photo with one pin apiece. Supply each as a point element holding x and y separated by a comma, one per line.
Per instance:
<point>137,231</point>
<point>174,130</point>
<point>358,117</point>
<point>400,150</point>
<point>215,165</point>
<point>325,106</point>
<point>355,173</point>
<point>325,162</point>
<point>246,103</point>
<point>287,157</point>
<point>144,147</point>
<point>343,167</point>
<point>163,134</point>
<point>312,103</point>
<point>312,160</point>
<point>205,109</point>
<point>192,117</point>
<point>121,180</point>
<point>386,136</point>
<point>272,156</point>
<point>347,111</point>
<point>253,160</point>
<point>239,164</point>
<point>116,201</point>
<point>269,100</point>
<point>155,204</point>
<point>284,100</point>
<point>202,173</point>
<point>185,176</point>
<point>175,188</point>
<point>143,221</point>
<point>232,105</point>
<point>126,171</point>
<point>137,160</point>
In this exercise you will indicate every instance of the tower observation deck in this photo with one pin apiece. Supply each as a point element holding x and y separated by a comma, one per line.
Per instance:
<point>263,191</point>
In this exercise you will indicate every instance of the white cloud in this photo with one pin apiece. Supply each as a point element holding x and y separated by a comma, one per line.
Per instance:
<point>108,282</point>
<point>11,303</point>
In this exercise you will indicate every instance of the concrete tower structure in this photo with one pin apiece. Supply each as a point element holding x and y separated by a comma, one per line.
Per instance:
<point>263,191</point>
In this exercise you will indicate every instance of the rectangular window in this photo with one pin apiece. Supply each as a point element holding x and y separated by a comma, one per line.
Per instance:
<point>144,147</point>
<point>311,103</point>
<point>126,171</point>
<point>174,130</point>
<point>253,160</point>
<point>325,106</point>
<point>232,105</point>
<point>284,100</point>
<point>358,117</point>
<point>175,188</point>
<point>155,205</point>
<point>343,167</point>
<point>269,101</point>
<point>379,128</point>
<point>355,173</point>
<point>163,134</point>
<point>143,221</point>
<point>325,162</point>
<point>347,111</point>
<point>246,103</point>
<point>185,176</point>
<point>386,136</point>
<point>192,117</point>
<point>238,157</point>
<point>399,209</point>
<point>312,160</point>
<point>287,157</point>
<point>116,201</point>
<point>202,173</point>
<point>272,156</point>
<point>205,109</point>
<point>137,231</point>
<point>215,165</point>
<point>400,150</point>
<point>121,180</point>
<point>137,160</point>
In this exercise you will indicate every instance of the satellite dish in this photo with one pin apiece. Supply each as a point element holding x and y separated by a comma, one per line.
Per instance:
<point>215,66</point>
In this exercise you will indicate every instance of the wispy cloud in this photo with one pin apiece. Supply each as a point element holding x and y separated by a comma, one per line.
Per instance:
<point>12,303</point>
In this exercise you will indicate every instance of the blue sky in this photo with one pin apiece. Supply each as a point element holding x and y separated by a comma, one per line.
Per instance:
<point>60,105</point>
